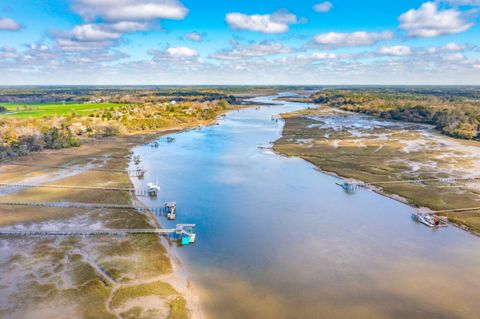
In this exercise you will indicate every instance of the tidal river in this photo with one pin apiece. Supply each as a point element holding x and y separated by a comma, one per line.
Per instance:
<point>278,239</point>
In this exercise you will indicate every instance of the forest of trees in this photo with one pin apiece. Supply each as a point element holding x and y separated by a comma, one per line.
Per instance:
<point>21,136</point>
<point>454,112</point>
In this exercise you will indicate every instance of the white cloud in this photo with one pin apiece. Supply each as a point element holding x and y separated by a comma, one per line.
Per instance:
<point>8,24</point>
<point>93,32</point>
<point>429,21</point>
<point>130,10</point>
<point>449,47</point>
<point>126,26</point>
<point>111,19</point>
<point>100,36</point>
<point>262,49</point>
<point>323,7</point>
<point>464,2</point>
<point>69,45</point>
<point>454,57</point>
<point>315,56</point>
<point>452,46</point>
<point>276,22</point>
<point>182,52</point>
<point>174,60</point>
<point>194,36</point>
<point>8,53</point>
<point>323,56</point>
<point>361,38</point>
<point>396,50</point>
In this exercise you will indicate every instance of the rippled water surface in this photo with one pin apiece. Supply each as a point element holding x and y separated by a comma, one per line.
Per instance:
<point>278,239</point>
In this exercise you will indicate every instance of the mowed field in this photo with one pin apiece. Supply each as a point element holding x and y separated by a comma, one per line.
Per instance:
<point>25,110</point>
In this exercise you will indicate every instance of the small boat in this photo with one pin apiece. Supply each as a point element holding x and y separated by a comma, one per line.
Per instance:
<point>430,220</point>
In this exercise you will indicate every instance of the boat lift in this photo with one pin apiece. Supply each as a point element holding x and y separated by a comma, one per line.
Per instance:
<point>153,189</point>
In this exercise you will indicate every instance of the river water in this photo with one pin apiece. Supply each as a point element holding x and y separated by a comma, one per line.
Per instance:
<point>278,239</point>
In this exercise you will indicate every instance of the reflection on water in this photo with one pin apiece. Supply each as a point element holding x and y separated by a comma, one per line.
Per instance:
<point>278,239</point>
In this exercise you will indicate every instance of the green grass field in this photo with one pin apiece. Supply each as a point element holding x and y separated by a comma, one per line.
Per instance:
<point>25,110</point>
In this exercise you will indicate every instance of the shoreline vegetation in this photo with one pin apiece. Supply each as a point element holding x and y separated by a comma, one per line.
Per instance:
<point>28,131</point>
<point>132,277</point>
<point>358,146</point>
<point>454,111</point>
<point>136,277</point>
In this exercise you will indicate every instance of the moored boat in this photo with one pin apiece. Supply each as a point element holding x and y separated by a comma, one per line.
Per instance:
<point>430,220</point>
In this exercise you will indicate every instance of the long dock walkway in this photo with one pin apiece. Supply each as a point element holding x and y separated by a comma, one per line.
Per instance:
<point>181,229</point>
<point>131,172</point>
<point>457,210</point>
<point>409,181</point>
<point>153,209</point>
<point>24,185</point>
<point>352,186</point>
<point>66,167</point>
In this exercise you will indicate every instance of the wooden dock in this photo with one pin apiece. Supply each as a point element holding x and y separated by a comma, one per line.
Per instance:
<point>457,210</point>
<point>24,185</point>
<point>131,172</point>
<point>67,167</point>
<point>137,192</point>
<point>419,181</point>
<point>181,229</point>
<point>166,208</point>
<point>352,186</point>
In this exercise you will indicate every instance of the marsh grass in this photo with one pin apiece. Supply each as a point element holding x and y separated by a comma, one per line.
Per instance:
<point>372,160</point>
<point>157,288</point>
<point>90,300</point>
<point>124,260</point>
<point>177,304</point>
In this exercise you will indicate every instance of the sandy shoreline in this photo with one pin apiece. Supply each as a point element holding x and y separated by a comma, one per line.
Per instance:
<point>89,275</point>
<point>178,278</point>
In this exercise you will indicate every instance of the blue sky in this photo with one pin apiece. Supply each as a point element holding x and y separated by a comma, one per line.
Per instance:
<point>239,42</point>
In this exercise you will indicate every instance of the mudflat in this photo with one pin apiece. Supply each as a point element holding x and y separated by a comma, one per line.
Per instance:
<point>373,150</point>
<point>85,277</point>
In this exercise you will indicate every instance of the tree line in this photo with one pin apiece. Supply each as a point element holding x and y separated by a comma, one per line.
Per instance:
<point>453,113</point>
